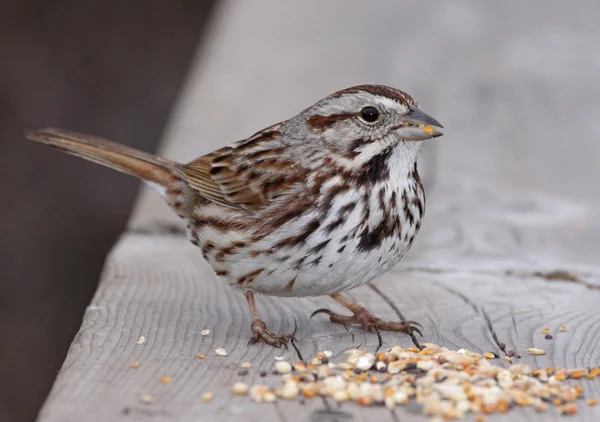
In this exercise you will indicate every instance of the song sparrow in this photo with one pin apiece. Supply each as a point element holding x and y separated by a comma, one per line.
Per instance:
<point>315,205</point>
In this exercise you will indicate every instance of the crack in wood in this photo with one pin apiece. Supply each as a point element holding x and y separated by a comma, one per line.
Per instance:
<point>392,305</point>
<point>552,276</point>
<point>479,310</point>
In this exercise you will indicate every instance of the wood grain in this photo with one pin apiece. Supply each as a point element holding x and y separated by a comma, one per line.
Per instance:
<point>511,236</point>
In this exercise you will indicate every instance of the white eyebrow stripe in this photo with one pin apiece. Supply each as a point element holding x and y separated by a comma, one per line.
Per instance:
<point>392,104</point>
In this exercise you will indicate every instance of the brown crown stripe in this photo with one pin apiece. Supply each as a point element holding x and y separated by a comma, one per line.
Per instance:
<point>319,122</point>
<point>383,91</point>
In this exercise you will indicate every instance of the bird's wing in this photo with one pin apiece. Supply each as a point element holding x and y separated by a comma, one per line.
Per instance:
<point>248,174</point>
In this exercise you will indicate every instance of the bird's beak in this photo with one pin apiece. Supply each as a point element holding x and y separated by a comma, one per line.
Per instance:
<point>418,126</point>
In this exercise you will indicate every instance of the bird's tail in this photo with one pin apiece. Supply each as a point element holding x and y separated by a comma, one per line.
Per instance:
<point>161,174</point>
<point>147,167</point>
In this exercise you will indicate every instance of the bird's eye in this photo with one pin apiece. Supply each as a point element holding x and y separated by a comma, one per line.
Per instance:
<point>369,114</point>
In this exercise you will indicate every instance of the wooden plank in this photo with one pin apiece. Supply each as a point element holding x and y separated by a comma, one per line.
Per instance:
<point>509,243</point>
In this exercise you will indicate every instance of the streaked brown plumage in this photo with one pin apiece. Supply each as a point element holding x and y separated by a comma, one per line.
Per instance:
<point>318,204</point>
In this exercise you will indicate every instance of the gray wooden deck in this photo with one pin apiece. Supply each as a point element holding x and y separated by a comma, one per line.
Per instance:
<point>511,240</point>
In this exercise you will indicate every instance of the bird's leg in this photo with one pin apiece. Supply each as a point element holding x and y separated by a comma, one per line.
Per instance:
<point>364,318</point>
<point>260,332</point>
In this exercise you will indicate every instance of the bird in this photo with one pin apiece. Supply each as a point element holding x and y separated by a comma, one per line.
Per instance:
<point>316,205</point>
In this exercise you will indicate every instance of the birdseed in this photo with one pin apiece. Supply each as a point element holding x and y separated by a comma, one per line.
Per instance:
<point>165,380</point>
<point>146,399</point>
<point>240,388</point>
<point>221,352</point>
<point>283,367</point>
<point>548,337</point>
<point>200,356</point>
<point>205,332</point>
<point>246,365</point>
<point>562,328</point>
<point>546,330</point>
<point>141,340</point>
<point>135,365</point>
<point>445,384</point>
<point>207,397</point>
<point>427,129</point>
<point>536,351</point>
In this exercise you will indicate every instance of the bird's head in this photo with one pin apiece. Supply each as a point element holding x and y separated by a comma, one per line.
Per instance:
<point>360,122</point>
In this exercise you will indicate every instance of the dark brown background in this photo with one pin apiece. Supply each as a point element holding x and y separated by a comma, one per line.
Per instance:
<point>112,68</point>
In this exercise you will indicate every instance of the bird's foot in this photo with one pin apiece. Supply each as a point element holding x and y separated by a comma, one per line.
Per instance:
<point>361,316</point>
<point>260,333</point>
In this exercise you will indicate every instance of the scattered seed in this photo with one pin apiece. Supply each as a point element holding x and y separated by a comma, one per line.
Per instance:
<point>221,352</point>
<point>283,367</point>
<point>441,383</point>
<point>141,340</point>
<point>546,330</point>
<point>562,328</point>
<point>200,356</point>
<point>279,357</point>
<point>269,397</point>
<point>246,365</point>
<point>242,372</point>
<point>548,337</point>
<point>568,409</point>
<point>146,399</point>
<point>205,332</point>
<point>263,373</point>
<point>207,397</point>
<point>135,365</point>
<point>165,380</point>
<point>240,388</point>
<point>536,351</point>
<point>592,402</point>
<point>328,353</point>
<point>502,346</point>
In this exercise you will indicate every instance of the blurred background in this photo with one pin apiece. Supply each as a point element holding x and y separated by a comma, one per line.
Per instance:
<point>524,78</point>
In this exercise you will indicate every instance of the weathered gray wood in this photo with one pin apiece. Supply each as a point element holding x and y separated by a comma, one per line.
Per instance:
<point>515,199</point>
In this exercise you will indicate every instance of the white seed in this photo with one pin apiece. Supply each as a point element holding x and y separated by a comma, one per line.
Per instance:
<point>536,351</point>
<point>205,332</point>
<point>283,367</point>
<point>257,392</point>
<point>279,357</point>
<point>328,353</point>
<point>207,397</point>
<point>562,328</point>
<point>341,396</point>
<point>240,388</point>
<point>246,365</point>
<point>381,366</point>
<point>389,402</point>
<point>269,397</point>
<point>366,361</point>
<point>146,398</point>
<point>290,390</point>
<point>316,361</point>
<point>221,352</point>
<point>141,340</point>
<point>425,365</point>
